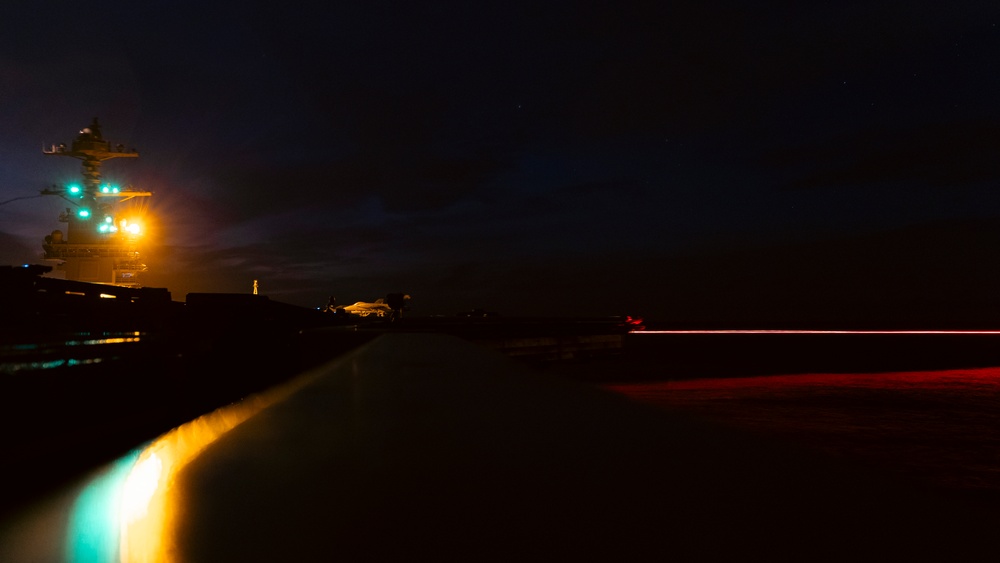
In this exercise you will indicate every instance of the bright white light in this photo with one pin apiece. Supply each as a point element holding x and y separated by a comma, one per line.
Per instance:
<point>131,228</point>
<point>142,482</point>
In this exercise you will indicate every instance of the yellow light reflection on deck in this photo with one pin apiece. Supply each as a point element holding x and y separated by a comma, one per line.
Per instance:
<point>147,507</point>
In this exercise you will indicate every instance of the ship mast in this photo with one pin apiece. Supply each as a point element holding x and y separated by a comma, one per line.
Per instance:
<point>98,246</point>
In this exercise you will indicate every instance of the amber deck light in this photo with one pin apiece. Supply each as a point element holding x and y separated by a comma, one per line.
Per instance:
<point>149,503</point>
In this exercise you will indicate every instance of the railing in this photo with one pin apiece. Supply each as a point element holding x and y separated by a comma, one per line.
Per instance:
<point>67,250</point>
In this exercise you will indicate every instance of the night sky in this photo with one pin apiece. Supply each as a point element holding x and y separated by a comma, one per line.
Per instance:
<point>696,163</point>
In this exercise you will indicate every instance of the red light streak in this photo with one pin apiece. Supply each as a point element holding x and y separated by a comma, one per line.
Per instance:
<point>753,331</point>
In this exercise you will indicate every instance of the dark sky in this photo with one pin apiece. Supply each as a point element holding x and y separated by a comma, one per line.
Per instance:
<point>728,163</point>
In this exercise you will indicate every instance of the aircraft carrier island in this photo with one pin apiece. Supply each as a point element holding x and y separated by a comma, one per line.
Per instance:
<point>103,235</point>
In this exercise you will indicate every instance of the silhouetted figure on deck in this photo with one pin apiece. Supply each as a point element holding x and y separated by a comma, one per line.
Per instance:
<point>331,306</point>
<point>396,302</point>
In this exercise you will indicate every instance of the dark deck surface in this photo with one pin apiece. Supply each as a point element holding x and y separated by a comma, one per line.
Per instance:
<point>425,446</point>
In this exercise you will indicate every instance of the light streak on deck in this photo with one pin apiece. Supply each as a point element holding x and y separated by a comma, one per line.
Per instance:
<point>148,518</point>
<point>781,331</point>
<point>128,514</point>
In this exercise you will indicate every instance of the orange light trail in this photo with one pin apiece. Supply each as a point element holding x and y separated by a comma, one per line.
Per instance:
<point>128,514</point>
<point>148,506</point>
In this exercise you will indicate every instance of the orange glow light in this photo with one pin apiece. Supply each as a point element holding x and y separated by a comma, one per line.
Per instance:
<point>149,501</point>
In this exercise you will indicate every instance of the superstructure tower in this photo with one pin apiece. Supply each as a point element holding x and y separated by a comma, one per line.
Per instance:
<point>101,243</point>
